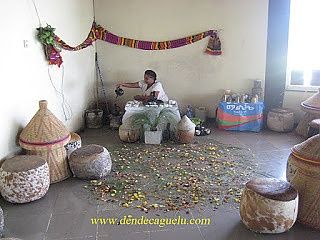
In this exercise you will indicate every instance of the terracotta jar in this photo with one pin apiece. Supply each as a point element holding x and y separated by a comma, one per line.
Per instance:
<point>303,172</point>
<point>129,134</point>
<point>45,136</point>
<point>185,130</point>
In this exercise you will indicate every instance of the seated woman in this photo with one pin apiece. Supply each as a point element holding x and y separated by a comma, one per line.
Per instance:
<point>151,89</point>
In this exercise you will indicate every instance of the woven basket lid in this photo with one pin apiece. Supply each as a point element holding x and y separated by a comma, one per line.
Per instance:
<point>312,104</point>
<point>185,124</point>
<point>308,150</point>
<point>44,131</point>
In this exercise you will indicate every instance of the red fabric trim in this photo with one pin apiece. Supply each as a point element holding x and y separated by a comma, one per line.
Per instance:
<point>45,144</point>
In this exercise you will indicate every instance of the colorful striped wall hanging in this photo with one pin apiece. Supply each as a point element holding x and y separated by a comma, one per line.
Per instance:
<point>97,32</point>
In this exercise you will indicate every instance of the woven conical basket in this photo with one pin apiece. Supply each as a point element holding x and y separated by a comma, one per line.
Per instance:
<point>303,172</point>
<point>45,135</point>
<point>308,150</point>
<point>312,104</point>
<point>44,130</point>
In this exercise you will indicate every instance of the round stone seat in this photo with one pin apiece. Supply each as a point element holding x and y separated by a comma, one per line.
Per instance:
<point>90,162</point>
<point>24,178</point>
<point>269,205</point>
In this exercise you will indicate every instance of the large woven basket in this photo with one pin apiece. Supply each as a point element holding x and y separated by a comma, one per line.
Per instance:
<point>280,120</point>
<point>303,172</point>
<point>312,104</point>
<point>45,135</point>
<point>308,150</point>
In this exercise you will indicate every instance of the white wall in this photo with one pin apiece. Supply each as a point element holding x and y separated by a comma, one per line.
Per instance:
<point>24,71</point>
<point>188,74</point>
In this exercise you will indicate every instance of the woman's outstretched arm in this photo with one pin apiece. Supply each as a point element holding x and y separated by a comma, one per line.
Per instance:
<point>129,85</point>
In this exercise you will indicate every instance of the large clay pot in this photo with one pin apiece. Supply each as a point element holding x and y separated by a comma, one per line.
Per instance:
<point>128,134</point>
<point>185,130</point>
<point>303,172</point>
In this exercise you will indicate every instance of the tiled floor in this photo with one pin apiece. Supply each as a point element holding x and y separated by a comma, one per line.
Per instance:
<point>66,211</point>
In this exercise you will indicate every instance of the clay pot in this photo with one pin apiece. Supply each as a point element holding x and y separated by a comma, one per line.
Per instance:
<point>185,130</point>
<point>128,134</point>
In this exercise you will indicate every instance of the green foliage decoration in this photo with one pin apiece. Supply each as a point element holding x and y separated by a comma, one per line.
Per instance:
<point>46,35</point>
<point>152,118</point>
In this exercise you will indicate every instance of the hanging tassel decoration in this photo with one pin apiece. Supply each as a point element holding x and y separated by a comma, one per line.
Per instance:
<point>214,45</point>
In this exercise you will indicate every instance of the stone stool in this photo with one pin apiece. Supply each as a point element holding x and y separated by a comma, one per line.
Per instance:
<point>314,127</point>
<point>280,120</point>
<point>269,205</point>
<point>90,162</point>
<point>24,178</point>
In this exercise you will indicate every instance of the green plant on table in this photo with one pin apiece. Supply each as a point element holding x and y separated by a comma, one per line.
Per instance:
<point>152,118</point>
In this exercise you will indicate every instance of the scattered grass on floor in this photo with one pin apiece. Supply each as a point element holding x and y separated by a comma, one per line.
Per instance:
<point>174,177</point>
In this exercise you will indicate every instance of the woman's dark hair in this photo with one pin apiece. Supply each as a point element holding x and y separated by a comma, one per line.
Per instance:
<point>151,73</point>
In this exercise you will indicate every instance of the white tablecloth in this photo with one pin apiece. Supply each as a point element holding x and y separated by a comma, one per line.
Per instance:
<point>133,107</point>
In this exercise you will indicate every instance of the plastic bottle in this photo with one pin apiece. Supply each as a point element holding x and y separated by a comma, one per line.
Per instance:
<point>190,112</point>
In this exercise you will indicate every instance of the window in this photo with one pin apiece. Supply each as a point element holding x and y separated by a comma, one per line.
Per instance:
<point>303,65</point>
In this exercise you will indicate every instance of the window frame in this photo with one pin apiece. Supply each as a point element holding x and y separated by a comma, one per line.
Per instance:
<point>288,85</point>
<point>302,88</point>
